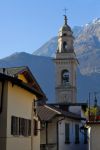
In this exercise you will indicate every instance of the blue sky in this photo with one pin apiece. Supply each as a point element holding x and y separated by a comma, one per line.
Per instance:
<point>27,24</point>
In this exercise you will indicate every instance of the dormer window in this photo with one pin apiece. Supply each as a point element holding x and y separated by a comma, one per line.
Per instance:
<point>64,45</point>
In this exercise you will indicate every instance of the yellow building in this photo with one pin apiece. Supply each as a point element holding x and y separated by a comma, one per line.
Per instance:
<point>18,93</point>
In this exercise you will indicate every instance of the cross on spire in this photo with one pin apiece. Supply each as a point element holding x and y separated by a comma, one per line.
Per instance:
<point>65,17</point>
<point>65,10</point>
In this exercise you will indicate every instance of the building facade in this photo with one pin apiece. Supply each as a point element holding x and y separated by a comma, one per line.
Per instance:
<point>18,93</point>
<point>61,129</point>
<point>93,135</point>
<point>66,66</point>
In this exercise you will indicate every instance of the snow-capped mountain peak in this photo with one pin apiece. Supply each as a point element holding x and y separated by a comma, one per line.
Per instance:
<point>96,21</point>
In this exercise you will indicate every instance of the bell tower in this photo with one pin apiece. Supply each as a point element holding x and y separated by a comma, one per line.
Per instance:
<point>66,66</point>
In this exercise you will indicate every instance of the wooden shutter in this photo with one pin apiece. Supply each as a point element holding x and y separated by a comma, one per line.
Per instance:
<point>29,127</point>
<point>35,127</point>
<point>14,125</point>
<point>22,126</point>
<point>67,133</point>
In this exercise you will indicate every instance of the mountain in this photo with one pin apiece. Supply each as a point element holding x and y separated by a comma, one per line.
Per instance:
<point>47,49</point>
<point>87,47</point>
<point>43,69</point>
<point>38,66</point>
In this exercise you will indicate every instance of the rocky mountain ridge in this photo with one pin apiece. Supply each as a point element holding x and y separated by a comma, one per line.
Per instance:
<point>87,47</point>
<point>43,69</point>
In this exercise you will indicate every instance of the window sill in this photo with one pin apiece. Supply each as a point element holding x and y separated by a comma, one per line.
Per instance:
<point>86,142</point>
<point>77,142</point>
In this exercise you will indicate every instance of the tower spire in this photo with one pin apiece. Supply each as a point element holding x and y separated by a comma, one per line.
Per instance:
<point>66,65</point>
<point>65,19</point>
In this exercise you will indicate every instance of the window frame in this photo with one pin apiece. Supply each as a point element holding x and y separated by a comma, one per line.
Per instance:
<point>64,45</point>
<point>77,135</point>
<point>20,126</point>
<point>67,133</point>
<point>65,80</point>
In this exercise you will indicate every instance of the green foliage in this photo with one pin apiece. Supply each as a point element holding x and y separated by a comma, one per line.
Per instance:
<point>91,113</point>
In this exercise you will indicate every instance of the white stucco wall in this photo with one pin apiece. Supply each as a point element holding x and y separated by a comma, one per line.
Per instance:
<point>72,145</point>
<point>94,137</point>
<point>75,109</point>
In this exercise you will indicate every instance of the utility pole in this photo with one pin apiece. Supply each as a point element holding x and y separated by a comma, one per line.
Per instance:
<point>89,107</point>
<point>95,99</point>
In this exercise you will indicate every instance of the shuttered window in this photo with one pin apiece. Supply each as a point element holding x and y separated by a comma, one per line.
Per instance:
<point>76,133</point>
<point>14,125</point>
<point>35,127</point>
<point>67,133</point>
<point>20,126</point>
<point>29,127</point>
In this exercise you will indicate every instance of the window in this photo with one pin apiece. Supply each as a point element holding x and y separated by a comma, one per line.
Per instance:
<point>14,125</point>
<point>85,136</point>
<point>64,34</point>
<point>29,127</point>
<point>35,127</point>
<point>23,127</point>
<point>76,134</point>
<point>65,77</point>
<point>20,126</point>
<point>67,133</point>
<point>64,45</point>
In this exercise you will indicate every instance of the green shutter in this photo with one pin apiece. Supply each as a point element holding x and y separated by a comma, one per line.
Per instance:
<point>67,133</point>
<point>76,133</point>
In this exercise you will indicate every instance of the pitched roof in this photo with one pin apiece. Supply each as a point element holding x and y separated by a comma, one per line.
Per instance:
<point>46,113</point>
<point>68,114</point>
<point>14,71</point>
<point>66,104</point>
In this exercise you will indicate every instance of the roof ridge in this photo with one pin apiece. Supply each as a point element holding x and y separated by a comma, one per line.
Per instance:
<point>52,109</point>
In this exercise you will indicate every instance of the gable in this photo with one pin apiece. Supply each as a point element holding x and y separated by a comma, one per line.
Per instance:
<point>24,74</point>
<point>27,77</point>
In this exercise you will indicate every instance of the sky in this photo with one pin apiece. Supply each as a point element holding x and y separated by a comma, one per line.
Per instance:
<point>25,25</point>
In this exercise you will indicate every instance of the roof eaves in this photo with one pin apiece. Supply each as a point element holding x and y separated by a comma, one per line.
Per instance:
<point>19,83</point>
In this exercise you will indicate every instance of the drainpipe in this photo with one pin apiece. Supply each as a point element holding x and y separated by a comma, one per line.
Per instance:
<point>32,126</point>
<point>46,135</point>
<point>1,103</point>
<point>58,132</point>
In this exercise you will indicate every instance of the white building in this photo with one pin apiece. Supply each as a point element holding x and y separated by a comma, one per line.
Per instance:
<point>93,135</point>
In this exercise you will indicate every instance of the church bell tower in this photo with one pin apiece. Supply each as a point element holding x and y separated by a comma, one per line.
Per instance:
<point>66,66</point>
